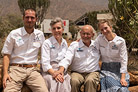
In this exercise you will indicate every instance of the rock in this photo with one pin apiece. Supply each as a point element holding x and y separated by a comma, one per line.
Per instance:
<point>133,89</point>
<point>1,76</point>
<point>134,72</point>
<point>133,79</point>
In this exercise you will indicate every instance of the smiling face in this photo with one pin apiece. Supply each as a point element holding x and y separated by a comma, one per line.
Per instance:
<point>57,30</point>
<point>105,28</point>
<point>29,19</point>
<point>86,34</point>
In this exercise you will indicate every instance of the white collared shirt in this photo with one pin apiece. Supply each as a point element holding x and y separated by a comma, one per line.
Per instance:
<point>52,51</point>
<point>113,51</point>
<point>23,47</point>
<point>82,58</point>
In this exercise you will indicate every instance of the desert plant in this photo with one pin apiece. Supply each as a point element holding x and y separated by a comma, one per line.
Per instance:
<point>40,6</point>
<point>125,14</point>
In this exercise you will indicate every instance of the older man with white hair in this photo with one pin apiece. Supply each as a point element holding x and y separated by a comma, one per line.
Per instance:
<point>83,56</point>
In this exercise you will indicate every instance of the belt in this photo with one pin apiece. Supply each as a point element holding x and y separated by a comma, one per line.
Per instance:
<point>24,65</point>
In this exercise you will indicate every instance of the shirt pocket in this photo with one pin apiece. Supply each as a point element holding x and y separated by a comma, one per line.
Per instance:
<point>114,53</point>
<point>36,44</point>
<point>80,55</point>
<point>19,43</point>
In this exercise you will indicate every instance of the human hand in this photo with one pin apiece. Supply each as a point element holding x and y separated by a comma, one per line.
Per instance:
<point>55,74</point>
<point>59,78</point>
<point>123,82</point>
<point>5,78</point>
<point>78,40</point>
<point>61,72</point>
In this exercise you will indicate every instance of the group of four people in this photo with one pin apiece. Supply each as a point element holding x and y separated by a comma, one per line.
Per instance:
<point>21,52</point>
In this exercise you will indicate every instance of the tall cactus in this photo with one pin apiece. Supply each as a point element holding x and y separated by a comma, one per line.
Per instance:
<point>40,6</point>
<point>125,14</point>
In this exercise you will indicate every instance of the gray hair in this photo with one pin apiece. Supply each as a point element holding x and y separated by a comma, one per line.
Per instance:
<point>56,20</point>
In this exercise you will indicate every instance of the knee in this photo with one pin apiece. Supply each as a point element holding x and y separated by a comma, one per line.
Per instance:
<point>89,81</point>
<point>75,82</point>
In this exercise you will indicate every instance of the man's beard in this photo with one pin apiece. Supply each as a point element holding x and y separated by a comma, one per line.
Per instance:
<point>29,26</point>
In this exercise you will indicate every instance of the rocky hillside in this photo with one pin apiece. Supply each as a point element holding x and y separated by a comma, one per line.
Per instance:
<point>67,9</point>
<point>9,7</point>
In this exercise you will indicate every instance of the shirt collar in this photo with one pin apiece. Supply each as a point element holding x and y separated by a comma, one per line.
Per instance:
<point>114,40</point>
<point>35,32</point>
<point>81,44</point>
<point>54,41</point>
<point>24,31</point>
<point>92,43</point>
<point>104,38</point>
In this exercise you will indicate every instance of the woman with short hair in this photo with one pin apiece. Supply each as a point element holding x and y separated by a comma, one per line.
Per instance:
<point>53,51</point>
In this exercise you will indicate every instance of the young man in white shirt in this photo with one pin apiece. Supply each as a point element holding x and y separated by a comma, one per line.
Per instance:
<point>83,56</point>
<point>20,56</point>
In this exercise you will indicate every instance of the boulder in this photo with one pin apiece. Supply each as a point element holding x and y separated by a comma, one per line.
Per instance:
<point>1,76</point>
<point>133,78</point>
<point>133,89</point>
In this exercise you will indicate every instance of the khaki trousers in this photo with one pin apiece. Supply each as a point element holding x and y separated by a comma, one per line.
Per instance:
<point>30,76</point>
<point>90,81</point>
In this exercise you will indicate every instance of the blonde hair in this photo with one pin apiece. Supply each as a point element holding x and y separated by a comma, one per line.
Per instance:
<point>104,21</point>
